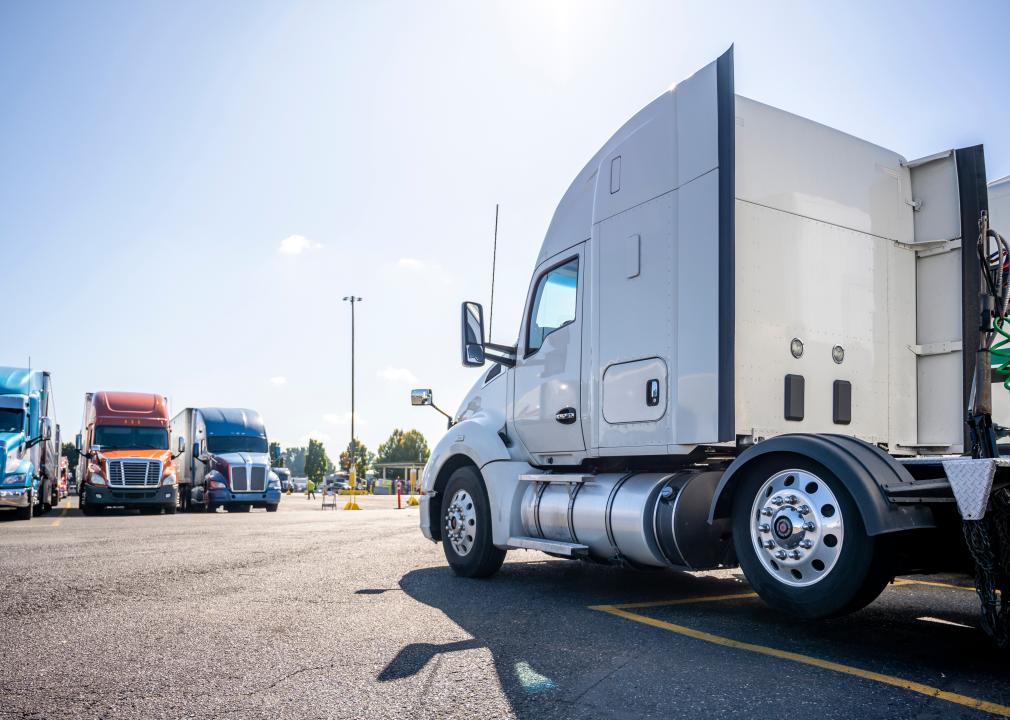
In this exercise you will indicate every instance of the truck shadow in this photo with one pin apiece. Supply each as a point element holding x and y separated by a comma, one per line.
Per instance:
<point>552,650</point>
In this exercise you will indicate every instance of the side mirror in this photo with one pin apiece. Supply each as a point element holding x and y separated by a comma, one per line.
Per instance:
<point>77,442</point>
<point>421,397</point>
<point>180,445</point>
<point>47,429</point>
<point>275,454</point>
<point>473,334</point>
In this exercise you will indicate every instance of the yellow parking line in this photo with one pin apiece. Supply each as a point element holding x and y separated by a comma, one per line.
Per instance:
<point>928,690</point>
<point>904,581</point>
<point>57,521</point>
<point>679,601</point>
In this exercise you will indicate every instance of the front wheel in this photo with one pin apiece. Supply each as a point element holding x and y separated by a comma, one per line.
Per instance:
<point>466,526</point>
<point>85,506</point>
<point>271,508</point>
<point>25,513</point>
<point>801,541</point>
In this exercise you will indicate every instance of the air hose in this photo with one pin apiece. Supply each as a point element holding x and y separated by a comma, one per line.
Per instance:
<point>996,271</point>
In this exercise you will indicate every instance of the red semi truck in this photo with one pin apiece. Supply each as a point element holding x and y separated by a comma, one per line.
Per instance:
<point>125,453</point>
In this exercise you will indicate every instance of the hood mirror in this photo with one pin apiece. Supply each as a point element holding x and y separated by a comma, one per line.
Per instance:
<point>422,396</point>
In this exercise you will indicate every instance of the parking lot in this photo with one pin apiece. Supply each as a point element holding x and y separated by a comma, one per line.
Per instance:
<point>320,614</point>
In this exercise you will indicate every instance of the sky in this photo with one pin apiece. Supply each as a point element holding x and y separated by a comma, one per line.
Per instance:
<point>188,189</point>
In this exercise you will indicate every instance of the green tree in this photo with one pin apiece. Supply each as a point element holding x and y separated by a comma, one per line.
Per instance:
<point>404,446</point>
<point>294,460</point>
<point>69,451</point>
<point>277,445</point>
<point>362,459</point>
<point>316,461</point>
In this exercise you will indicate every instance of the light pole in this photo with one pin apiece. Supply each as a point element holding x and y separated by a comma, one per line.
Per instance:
<point>351,505</point>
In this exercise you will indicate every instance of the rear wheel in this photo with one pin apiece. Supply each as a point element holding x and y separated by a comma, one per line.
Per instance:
<point>271,508</point>
<point>801,542</point>
<point>466,526</point>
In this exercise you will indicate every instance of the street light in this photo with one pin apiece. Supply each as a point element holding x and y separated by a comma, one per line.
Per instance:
<point>351,505</point>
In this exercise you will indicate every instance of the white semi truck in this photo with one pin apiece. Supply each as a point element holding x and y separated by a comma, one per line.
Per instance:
<point>750,340</point>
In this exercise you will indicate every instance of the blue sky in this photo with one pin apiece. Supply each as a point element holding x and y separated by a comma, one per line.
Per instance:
<point>159,157</point>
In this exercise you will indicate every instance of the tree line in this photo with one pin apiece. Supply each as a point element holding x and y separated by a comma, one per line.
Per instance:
<point>312,461</point>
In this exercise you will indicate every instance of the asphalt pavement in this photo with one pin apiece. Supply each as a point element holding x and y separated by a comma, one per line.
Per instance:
<point>310,613</point>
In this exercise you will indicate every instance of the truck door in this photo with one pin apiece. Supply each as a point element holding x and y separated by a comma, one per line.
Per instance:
<point>547,410</point>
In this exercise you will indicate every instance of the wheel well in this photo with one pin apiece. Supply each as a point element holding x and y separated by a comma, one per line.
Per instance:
<point>862,468</point>
<point>435,507</point>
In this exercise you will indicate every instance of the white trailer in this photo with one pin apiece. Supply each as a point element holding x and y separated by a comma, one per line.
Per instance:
<point>749,339</point>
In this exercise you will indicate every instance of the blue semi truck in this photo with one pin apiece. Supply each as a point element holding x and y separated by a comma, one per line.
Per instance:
<point>29,449</point>
<point>226,461</point>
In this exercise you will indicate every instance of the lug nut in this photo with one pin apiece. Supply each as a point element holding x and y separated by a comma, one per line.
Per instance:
<point>809,526</point>
<point>767,512</point>
<point>781,554</point>
<point>806,544</point>
<point>803,509</point>
<point>777,500</point>
<point>792,499</point>
<point>769,544</point>
<point>764,527</point>
<point>795,554</point>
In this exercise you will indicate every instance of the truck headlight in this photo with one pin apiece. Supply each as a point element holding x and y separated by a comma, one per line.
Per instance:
<point>168,479</point>
<point>15,480</point>
<point>217,485</point>
<point>95,476</point>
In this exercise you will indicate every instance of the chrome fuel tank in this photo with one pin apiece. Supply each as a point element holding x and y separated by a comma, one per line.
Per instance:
<point>648,519</point>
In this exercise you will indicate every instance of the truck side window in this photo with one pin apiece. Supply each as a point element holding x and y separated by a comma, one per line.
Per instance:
<point>553,303</point>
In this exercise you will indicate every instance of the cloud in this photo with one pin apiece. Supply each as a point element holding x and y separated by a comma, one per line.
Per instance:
<point>431,271</point>
<point>344,418</point>
<point>398,376</point>
<point>315,435</point>
<point>297,244</point>
<point>279,380</point>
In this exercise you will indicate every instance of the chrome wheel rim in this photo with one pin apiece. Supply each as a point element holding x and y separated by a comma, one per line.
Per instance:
<point>796,528</point>
<point>461,522</point>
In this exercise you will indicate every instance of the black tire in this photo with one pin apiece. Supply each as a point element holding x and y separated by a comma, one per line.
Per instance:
<point>209,506</point>
<point>45,498</point>
<point>481,558</point>
<point>271,508</point>
<point>170,509</point>
<point>863,568</point>
<point>85,506</point>
<point>26,512</point>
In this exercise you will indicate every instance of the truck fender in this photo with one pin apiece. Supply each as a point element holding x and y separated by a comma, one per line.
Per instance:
<point>469,442</point>
<point>863,468</point>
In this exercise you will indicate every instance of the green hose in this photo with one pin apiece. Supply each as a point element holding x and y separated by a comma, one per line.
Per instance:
<point>1000,351</point>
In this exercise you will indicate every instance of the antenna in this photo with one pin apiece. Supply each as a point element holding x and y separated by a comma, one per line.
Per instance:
<point>494,257</point>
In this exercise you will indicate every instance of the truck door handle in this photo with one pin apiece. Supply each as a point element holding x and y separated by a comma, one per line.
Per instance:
<point>652,393</point>
<point>566,416</point>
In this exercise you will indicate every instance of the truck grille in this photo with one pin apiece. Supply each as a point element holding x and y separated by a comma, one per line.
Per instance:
<point>249,478</point>
<point>134,473</point>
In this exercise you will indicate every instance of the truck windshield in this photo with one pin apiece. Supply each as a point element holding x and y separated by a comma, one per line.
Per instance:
<point>236,443</point>
<point>121,437</point>
<point>11,421</point>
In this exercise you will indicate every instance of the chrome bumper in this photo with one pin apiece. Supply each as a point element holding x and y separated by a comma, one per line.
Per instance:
<point>15,497</point>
